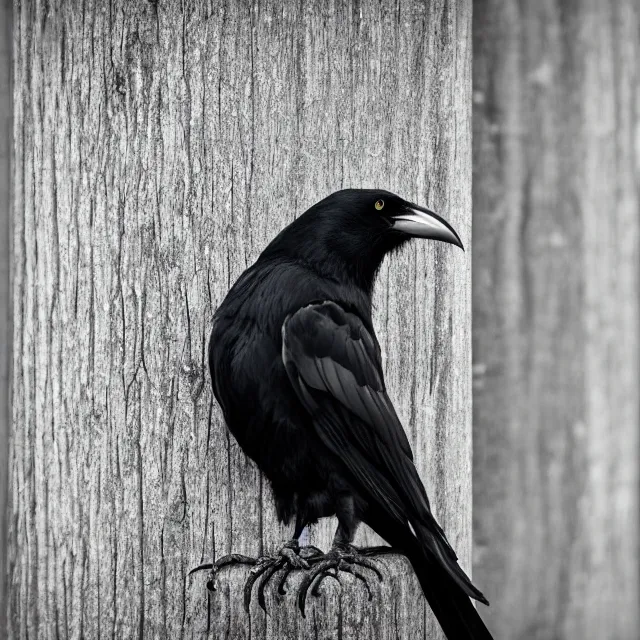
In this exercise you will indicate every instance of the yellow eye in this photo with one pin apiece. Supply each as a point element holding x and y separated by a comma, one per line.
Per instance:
<point>379,204</point>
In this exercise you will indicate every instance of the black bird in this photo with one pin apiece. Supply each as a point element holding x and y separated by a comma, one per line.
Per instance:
<point>296,369</point>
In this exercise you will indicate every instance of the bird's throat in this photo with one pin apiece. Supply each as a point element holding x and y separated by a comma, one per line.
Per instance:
<point>359,263</point>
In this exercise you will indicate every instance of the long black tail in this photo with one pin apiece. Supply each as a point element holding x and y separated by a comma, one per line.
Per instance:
<point>445,586</point>
<point>450,604</point>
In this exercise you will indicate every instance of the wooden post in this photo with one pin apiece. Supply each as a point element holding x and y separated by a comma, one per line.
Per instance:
<point>556,317</point>
<point>158,147</point>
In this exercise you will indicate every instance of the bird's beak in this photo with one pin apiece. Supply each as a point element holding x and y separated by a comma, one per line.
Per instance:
<point>421,223</point>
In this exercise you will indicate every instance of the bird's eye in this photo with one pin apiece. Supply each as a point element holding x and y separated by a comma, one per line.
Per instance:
<point>379,204</point>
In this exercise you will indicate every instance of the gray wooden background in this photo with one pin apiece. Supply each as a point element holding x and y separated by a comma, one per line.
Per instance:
<point>556,303</point>
<point>159,146</point>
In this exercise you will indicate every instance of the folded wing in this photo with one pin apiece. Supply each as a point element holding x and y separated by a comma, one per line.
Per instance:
<point>334,365</point>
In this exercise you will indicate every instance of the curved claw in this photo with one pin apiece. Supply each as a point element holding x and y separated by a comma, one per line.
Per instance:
<point>266,576</point>
<point>308,580</point>
<point>232,558</point>
<point>304,587</point>
<point>254,574</point>
<point>235,558</point>
<point>202,567</point>
<point>281,588</point>
<point>315,592</point>
<point>365,562</point>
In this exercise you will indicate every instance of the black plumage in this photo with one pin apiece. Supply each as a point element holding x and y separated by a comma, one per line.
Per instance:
<point>296,368</point>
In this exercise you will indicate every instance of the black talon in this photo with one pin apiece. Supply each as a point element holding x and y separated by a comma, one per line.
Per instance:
<point>235,558</point>
<point>232,558</point>
<point>202,567</point>
<point>306,583</point>
<point>315,592</point>
<point>281,589</point>
<point>365,562</point>
<point>266,576</point>
<point>254,574</point>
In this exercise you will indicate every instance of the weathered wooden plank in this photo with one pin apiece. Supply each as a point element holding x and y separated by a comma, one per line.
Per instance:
<point>159,146</point>
<point>556,325</point>
<point>6,136</point>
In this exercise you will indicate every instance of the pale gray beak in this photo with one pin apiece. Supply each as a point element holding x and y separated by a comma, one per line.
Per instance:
<point>421,223</point>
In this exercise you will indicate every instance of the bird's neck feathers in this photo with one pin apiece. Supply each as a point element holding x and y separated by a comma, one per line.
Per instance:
<point>354,258</point>
<point>335,247</point>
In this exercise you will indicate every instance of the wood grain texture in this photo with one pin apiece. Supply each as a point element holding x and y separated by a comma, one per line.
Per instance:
<point>159,146</point>
<point>556,317</point>
<point>6,139</point>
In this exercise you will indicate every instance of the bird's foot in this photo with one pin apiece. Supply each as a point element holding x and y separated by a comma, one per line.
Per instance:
<point>345,558</point>
<point>288,558</point>
<point>316,564</point>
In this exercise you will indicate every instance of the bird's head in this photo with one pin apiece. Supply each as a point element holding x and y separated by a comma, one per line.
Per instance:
<point>368,212</point>
<point>353,229</point>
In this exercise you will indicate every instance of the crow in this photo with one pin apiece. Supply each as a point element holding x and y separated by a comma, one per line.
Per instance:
<point>296,369</point>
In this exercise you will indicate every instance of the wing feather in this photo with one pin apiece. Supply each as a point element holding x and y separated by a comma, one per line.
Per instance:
<point>334,364</point>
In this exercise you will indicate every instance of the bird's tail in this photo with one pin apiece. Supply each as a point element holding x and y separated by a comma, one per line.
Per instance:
<point>448,601</point>
<point>435,545</point>
<point>446,587</point>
